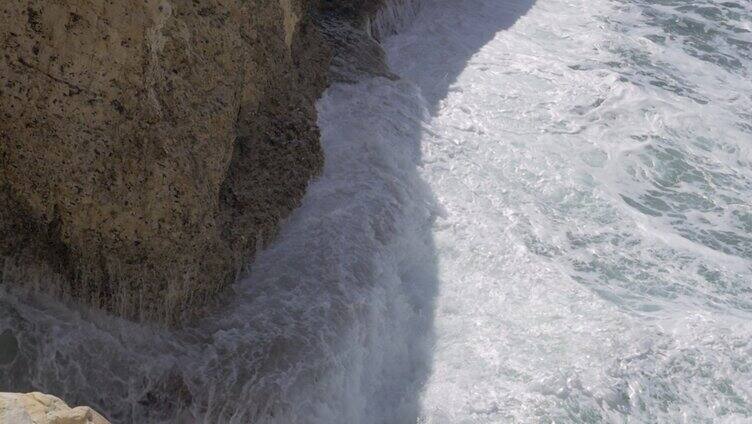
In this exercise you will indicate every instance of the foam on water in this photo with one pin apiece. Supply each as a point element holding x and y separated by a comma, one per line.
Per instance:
<point>593,158</point>
<point>547,220</point>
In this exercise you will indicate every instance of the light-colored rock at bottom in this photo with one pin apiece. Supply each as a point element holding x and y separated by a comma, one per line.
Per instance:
<point>39,408</point>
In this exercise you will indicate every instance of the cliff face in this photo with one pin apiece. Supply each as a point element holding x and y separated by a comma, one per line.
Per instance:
<point>147,148</point>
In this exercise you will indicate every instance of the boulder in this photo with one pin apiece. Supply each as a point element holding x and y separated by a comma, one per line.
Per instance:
<point>39,408</point>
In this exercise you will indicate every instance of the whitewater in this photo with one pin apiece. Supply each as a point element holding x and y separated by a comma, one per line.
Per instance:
<point>546,218</point>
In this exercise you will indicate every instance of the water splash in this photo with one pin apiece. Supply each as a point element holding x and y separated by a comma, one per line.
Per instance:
<point>393,17</point>
<point>332,325</point>
<point>591,164</point>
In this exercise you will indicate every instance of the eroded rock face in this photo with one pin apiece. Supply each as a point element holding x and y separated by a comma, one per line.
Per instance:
<point>39,408</point>
<point>147,148</point>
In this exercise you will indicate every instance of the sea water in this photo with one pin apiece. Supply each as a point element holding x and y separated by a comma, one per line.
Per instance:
<point>548,218</point>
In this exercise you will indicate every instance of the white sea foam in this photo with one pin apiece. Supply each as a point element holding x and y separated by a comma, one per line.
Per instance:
<point>593,159</point>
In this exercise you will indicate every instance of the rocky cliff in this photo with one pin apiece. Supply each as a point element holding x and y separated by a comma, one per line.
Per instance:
<point>148,148</point>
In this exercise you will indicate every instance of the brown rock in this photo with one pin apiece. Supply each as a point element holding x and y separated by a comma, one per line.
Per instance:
<point>147,148</point>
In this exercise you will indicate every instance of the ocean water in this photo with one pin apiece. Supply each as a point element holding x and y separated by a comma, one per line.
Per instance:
<point>594,163</point>
<point>548,218</point>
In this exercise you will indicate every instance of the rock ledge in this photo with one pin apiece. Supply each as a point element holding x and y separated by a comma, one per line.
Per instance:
<point>39,408</point>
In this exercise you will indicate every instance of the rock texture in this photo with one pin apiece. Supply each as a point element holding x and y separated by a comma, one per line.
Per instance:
<point>38,408</point>
<point>148,148</point>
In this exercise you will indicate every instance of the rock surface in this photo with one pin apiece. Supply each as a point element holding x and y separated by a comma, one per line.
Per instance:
<point>39,408</point>
<point>148,148</point>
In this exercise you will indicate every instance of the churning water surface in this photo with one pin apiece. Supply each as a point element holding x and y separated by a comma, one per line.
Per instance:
<point>547,219</point>
<point>593,160</point>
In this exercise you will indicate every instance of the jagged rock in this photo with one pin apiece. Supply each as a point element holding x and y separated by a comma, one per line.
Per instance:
<point>39,408</point>
<point>148,148</point>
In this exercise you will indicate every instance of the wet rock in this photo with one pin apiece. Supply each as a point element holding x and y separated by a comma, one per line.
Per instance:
<point>148,148</point>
